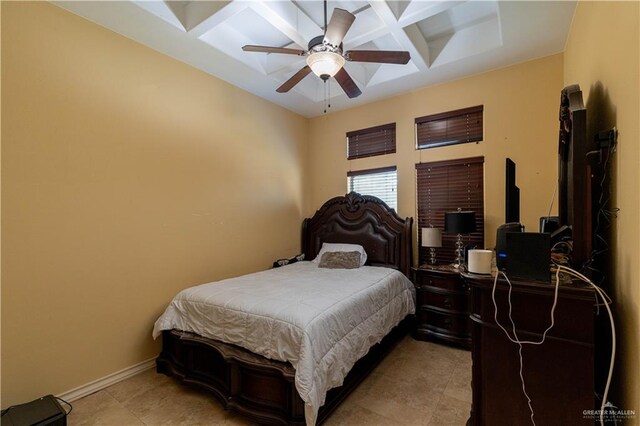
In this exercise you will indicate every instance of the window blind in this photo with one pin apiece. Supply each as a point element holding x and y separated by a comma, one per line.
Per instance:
<point>444,186</point>
<point>377,140</point>
<point>381,183</point>
<point>449,128</point>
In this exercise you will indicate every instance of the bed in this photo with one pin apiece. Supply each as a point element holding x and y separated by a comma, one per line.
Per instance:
<point>327,333</point>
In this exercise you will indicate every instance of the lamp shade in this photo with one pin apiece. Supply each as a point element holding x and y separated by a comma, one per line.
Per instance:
<point>431,237</point>
<point>460,222</point>
<point>325,63</point>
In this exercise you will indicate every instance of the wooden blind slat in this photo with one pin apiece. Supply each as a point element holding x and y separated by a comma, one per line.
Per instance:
<point>449,128</point>
<point>444,186</point>
<point>377,140</point>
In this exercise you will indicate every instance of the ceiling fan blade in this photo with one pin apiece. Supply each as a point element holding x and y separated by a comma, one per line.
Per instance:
<point>346,82</point>
<point>340,22</point>
<point>295,79</point>
<point>380,56</point>
<point>269,49</point>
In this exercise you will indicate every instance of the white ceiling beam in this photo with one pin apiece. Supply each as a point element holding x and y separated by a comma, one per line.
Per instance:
<point>387,16</point>
<point>198,11</point>
<point>363,38</point>
<point>412,16</point>
<point>162,10</point>
<point>293,66</point>
<point>289,20</point>
<point>225,12</point>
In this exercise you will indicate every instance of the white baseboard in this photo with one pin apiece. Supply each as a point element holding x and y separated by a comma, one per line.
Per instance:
<point>106,381</point>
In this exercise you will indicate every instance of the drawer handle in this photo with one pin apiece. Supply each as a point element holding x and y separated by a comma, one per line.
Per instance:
<point>447,303</point>
<point>430,282</point>
<point>447,322</point>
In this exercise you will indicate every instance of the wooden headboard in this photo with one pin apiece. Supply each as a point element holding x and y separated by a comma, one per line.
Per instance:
<point>364,220</point>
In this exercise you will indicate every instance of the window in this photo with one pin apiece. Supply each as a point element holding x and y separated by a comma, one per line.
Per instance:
<point>381,183</point>
<point>445,186</point>
<point>377,140</point>
<point>449,128</point>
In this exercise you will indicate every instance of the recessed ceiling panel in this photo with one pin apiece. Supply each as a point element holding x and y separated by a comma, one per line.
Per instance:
<point>462,31</point>
<point>315,9</point>
<point>398,7</point>
<point>457,18</point>
<point>367,23</point>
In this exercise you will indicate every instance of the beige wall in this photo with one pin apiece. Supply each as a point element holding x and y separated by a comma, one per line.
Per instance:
<point>126,176</point>
<point>604,60</point>
<point>520,122</point>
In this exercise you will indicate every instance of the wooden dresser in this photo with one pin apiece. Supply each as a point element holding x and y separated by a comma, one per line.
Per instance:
<point>442,308</point>
<point>559,374</point>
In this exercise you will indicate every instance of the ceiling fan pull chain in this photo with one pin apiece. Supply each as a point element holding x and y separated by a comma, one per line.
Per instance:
<point>324,89</point>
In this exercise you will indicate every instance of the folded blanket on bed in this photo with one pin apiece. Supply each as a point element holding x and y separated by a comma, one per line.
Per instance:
<point>320,320</point>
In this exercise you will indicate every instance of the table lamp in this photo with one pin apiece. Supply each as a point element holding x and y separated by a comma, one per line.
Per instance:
<point>432,238</point>
<point>459,222</point>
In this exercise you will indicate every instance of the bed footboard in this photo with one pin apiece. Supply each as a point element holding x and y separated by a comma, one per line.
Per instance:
<point>251,385</point>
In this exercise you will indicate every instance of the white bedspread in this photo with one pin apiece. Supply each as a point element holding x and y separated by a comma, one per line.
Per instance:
<point>320,320</point>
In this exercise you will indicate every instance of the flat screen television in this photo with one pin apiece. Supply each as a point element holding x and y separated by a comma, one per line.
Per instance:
<point>512,194</point>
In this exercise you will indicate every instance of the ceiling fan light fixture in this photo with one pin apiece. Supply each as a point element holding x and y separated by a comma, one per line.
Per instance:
<point>325,64</point>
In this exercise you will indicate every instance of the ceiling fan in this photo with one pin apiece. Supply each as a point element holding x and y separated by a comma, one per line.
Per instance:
<point>326,58</point>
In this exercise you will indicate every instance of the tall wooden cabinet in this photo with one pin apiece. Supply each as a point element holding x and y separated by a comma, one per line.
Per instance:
<point>559,374</point>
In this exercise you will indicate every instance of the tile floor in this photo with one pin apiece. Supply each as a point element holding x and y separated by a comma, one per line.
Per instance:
<point>418,383</point>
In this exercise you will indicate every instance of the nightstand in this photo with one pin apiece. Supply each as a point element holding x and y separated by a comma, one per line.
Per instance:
<point>442,305</point>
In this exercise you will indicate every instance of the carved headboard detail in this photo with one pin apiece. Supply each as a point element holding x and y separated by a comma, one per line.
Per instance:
<point>364,220</point>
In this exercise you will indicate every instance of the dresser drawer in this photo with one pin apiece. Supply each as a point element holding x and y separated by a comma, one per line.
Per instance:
<point>451,323</point>
<point>447,301</point>
<point>442,311</point>
<point>451,283</point>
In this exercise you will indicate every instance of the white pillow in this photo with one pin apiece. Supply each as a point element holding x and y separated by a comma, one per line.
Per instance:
<point>327,247</point>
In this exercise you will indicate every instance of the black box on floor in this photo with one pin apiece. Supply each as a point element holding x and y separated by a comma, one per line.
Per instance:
<point>529,255</point>
<point>45,411</point>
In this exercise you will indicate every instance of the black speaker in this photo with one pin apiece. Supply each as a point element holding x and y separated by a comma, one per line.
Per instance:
<point>501,242</point>
<point>529,255</point>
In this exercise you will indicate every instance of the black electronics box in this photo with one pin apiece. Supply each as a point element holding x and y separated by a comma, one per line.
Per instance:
<point>549,224</point>
<point>501,242</point>
<point>529,255</point>
<point>45,411</point>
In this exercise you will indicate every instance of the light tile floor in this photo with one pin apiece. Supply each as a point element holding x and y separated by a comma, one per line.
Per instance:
<point>418,383</point>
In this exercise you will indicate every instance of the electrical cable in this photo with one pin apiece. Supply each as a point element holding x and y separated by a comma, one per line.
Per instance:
<point>602,213</point>
<point>553,197</point>
<point>516,340</point>
<point>66,403</point>
<point>553,308</point>
<point>603,295</point>
<point>613,339</point>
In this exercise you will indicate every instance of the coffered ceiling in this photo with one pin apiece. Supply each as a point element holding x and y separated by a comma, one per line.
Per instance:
<point>446,40</point>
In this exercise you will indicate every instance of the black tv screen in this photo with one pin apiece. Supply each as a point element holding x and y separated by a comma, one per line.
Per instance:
<point>512,194</point>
